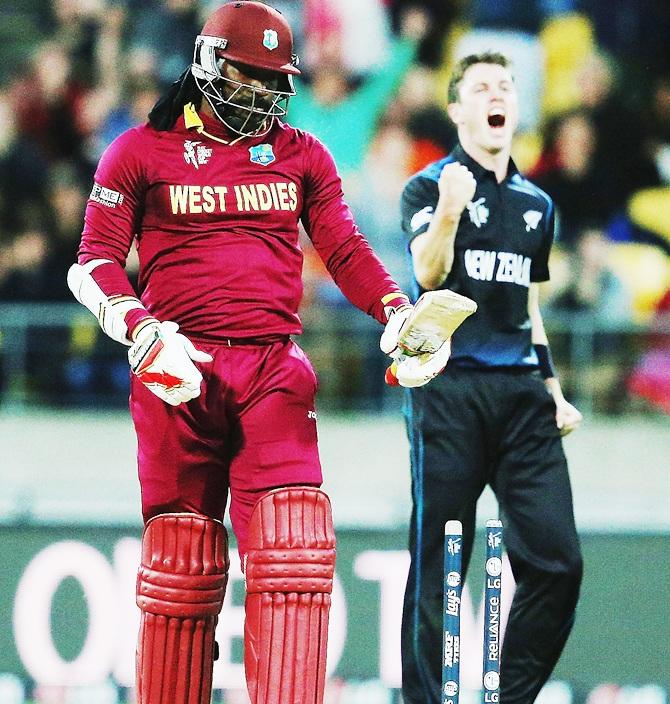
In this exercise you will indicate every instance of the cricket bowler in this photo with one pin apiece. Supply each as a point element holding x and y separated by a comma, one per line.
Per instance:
<point>496,414</point>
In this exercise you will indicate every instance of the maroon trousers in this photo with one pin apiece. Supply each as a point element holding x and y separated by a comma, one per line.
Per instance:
<point>253,428</point>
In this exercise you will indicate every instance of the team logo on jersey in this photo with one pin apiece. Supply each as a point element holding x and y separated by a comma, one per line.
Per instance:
<point>196,153</point>
<point>261,154</point>
<point>532,219</point>
<point>420,218</point>
<point>270,39</point>
<point>479,213</point>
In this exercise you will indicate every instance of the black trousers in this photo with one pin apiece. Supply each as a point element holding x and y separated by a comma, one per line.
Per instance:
<point>467,429</point>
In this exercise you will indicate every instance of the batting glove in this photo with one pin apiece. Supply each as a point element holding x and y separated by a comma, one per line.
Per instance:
<point>163,359</point>
<point>397,308</point>
<point>417,370</point>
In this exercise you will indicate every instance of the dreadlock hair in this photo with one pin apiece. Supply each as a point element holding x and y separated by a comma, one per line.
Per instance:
<point>170,105</point>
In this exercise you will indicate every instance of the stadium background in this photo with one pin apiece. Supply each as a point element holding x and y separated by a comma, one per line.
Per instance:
<point>594,82</point>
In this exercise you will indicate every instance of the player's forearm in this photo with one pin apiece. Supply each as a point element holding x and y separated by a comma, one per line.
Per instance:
<point>360,275</point>
<point>433,252</point>
<point>554,387</point>
<point>538,335</point>
<point>546,365</point>
<point>103,287</point>
<point>540,342</point>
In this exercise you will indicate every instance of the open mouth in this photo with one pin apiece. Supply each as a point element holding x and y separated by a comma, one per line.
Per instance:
<point>496,118</point>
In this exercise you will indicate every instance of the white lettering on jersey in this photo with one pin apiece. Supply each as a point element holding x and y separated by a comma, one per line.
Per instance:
<point>423,216</point>
<point>198,199</point>
<point>513,268</point>
<point>261,196</point>
<point>480,264</point>
<point>488,265</point>
<point>251,197</point>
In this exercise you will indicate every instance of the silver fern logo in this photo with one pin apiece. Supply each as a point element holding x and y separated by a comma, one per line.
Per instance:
<point>532,219</point>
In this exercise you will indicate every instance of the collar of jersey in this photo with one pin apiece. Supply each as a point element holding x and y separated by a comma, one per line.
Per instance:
<point>193,121</point>
<point>478,171</point>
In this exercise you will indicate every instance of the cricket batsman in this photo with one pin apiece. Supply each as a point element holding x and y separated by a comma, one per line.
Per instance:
<point>212,189</point>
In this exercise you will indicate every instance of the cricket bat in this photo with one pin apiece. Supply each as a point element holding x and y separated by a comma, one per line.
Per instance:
<point>435,318</point>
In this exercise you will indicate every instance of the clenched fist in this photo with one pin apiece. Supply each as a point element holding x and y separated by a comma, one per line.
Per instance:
<point>457,187</point>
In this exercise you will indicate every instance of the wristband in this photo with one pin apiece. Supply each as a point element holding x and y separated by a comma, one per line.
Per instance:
<point>544,361</point>
<point>393,302</point>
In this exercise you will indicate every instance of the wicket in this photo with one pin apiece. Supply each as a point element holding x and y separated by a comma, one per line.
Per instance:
<point>451,641</point>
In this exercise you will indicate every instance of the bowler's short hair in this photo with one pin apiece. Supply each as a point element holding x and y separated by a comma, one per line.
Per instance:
<point>485,57</point>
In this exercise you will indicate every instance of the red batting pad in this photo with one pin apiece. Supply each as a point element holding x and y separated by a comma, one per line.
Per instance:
<point>289,575</point>
<point>180,588</point>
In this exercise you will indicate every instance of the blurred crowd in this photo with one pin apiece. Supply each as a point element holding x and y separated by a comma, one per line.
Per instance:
<point>594,85</point>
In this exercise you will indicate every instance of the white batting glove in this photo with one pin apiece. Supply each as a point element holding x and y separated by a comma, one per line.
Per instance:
<point>163,359</point>
<point>418,370</point>
<point>397,309</point>
<point>423,341</point>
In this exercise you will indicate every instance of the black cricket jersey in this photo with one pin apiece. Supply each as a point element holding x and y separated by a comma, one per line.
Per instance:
<point>502,245</point>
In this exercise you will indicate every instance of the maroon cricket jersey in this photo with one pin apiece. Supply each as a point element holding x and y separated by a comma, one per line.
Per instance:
<point>217,228</point>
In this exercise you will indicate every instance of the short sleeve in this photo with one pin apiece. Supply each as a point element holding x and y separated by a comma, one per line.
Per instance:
<point>417,205</point>
<point>539,270</point>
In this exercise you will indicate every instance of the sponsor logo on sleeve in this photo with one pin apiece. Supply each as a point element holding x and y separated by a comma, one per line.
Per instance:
<point>494,566</point>
<point>452,654</point>
<point>491,680</point>
<point>450,689</point>
<point>453,602</point>
<point>422,217</point>
<point>453,546</point>
<point>453,579</point>
<point>494,539</point>
<point>105,196</point>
